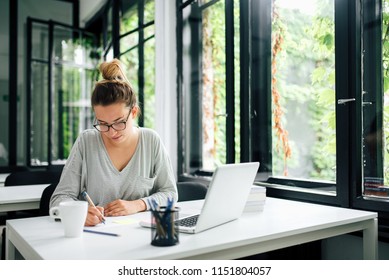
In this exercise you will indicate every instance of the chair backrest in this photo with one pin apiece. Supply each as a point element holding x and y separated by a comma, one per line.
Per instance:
<point>10,169</point>
<point>32,177</point>
<point>44,204</point>
<point>191,190</point>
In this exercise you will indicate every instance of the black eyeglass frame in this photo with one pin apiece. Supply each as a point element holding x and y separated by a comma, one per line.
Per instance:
<point>112,124</point>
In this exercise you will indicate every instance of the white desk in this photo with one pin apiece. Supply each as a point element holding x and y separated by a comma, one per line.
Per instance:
<point>282,224</point>
<point>15,198</point>
<point>3,176</point>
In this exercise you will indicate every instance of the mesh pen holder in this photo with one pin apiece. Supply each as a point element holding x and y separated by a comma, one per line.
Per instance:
<point>164,231</point>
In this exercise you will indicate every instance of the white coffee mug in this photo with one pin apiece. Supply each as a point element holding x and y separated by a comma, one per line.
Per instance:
<point>72,215</point>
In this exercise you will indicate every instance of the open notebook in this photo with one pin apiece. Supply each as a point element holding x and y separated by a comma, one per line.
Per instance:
<point>225,199</point>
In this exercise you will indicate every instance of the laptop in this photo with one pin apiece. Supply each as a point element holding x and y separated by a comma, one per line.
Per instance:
<point>225,199</point>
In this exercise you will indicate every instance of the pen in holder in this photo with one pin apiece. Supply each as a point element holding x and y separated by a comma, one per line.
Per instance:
<point>164,231</point>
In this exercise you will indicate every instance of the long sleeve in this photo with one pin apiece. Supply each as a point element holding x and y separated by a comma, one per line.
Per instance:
<point>149,173</point>
<point>69,185</point>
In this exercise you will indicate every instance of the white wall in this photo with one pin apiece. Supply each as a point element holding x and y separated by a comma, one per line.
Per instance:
<point>166,73</point>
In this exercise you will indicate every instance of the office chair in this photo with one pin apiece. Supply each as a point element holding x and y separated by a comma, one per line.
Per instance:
<point>44,204</point>
<point>10,169</point>
<point>32,177</point>
<point>191,190</point>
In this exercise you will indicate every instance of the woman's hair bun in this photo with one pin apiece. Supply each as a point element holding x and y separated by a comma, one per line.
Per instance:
<point>113,70</point>
<point>114,87</point>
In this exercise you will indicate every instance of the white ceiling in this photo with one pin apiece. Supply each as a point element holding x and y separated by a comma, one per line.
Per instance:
<point>88,9</point>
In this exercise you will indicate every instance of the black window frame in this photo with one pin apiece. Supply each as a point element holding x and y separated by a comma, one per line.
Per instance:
<point>99,26</point>
<point>14,158</point>
<point>255,52</point>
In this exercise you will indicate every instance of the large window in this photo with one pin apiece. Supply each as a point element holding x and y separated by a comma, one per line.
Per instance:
<point>303,90</point>
<point>126,29</point>
<point>64,61</point>
<point>375,100</point>
<point>62,66</point>
<point>299,86</point>
<point>137,51</point>
<point>49,97</point>
<point>211,110</point>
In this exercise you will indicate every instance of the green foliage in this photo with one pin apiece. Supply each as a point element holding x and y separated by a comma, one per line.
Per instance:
<point>214,87</point>
<point>306,81</point>
<point>237,80</point>
<point>74,82</point>
<point>131,58</point>
<point>385,69</point>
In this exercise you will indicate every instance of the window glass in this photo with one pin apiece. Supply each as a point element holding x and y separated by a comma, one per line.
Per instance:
<point>237,79</point>
<point>213,86</point>
<point>204,91</point>
<point>4,85</point>
<point>40,35</point>
<point>130,20</point>
<point>109,27</point>
<point>303,90</point>
<point>39,120</point>
<point>149,11</point>
<point>149,67</point>
<point>204,88</point>
<point>375,102</point>
<point>73,72</point>
<point>385,67</point>
<point>288,106</point>
<point>137,48</point>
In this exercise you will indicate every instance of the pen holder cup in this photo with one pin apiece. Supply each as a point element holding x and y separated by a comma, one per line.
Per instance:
<point>164,231</point>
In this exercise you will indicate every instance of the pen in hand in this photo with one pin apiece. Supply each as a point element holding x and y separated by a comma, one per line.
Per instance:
<point>86,196</point>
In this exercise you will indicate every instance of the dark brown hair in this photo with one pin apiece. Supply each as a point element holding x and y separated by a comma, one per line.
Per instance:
<point>114,87</point>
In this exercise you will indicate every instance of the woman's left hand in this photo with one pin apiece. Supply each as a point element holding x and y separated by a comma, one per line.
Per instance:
<point>121,207</point>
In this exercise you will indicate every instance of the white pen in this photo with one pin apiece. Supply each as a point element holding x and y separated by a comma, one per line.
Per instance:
<point>86,196</point>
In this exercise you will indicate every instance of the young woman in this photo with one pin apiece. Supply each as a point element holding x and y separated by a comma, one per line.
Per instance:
<point>121,166</point>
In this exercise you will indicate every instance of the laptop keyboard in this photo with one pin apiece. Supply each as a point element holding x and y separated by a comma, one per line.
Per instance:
<point>188,222</point>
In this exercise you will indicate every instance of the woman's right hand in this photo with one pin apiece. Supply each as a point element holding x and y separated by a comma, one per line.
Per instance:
<point>95,216</point>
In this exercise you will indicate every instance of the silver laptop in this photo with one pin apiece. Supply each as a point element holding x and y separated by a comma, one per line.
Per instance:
<point>225,200</point>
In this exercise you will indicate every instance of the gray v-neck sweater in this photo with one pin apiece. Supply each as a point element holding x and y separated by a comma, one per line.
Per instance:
<point>149,173</point>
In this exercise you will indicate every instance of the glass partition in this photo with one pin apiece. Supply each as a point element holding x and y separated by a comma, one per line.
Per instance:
<point>63,68</point>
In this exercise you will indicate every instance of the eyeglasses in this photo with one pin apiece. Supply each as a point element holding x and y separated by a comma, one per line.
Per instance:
<point>117,126</point>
